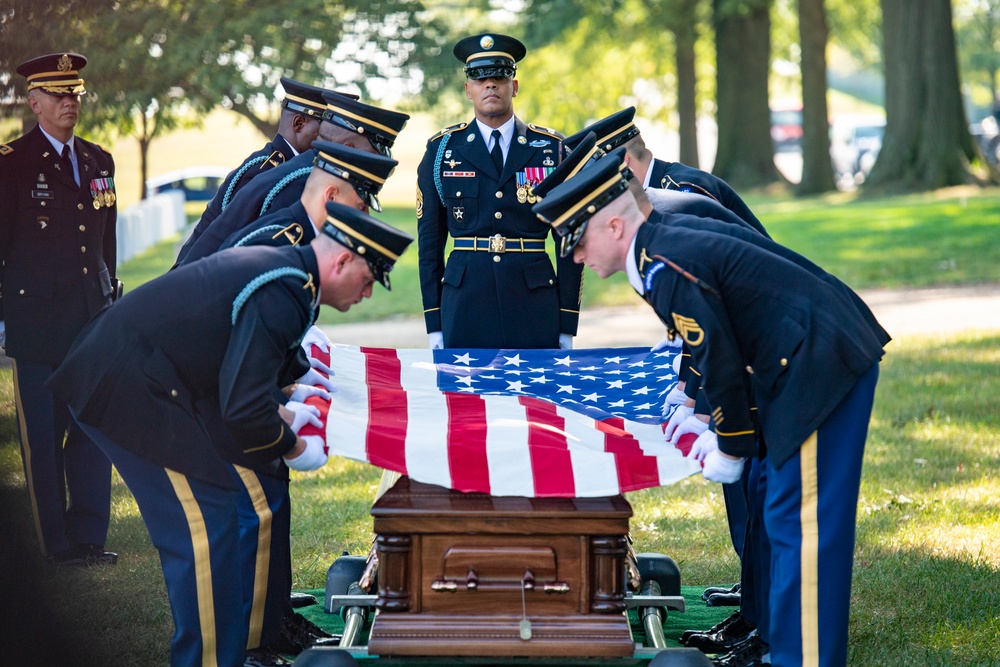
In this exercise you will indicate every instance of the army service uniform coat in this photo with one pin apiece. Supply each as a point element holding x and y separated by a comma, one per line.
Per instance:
<point>274,153</point>
<point>795,333</point>
<point>483,299</point>
<point>677,176</point>
<point>58,250</point>
<point>279,188</point>
<point>144,371</point>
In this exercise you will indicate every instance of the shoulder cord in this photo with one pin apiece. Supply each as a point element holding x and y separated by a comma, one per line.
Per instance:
<point>236,179</point>
<point>263,279</point>
<point>258,232</point>
<point>437,167</point>
<point>295,175</point>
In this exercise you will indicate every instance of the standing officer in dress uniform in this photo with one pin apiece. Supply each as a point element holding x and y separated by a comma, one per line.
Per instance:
<point>801,341</point>
<point>57,247</point>
<point>618,129</point>
<point>347,176</point>
<point>345,121</point>
<point>298,126</point>
<point>498,289</point>
<point>171,415</point>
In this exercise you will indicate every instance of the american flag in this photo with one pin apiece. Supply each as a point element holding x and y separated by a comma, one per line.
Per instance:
<point>532,423</point>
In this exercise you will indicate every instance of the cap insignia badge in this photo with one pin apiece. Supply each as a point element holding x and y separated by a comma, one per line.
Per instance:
<point>486,42</point>
<point>65,63</point>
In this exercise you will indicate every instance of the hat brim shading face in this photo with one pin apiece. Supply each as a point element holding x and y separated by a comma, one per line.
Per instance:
<point>570,239</point>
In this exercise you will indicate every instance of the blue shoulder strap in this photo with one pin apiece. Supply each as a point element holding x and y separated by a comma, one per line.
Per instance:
<point>437,167</point>
<point>236,178</point>
<point>265,278</point>
<point>280,185</point>
<point>263,231</point>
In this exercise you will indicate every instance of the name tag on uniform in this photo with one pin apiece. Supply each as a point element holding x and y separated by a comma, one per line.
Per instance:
<point>459,174</point>
<point>41,194</point>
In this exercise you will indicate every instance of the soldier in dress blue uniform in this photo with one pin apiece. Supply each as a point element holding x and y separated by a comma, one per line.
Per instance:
<point>173,416</point>
<point>345,121</point>
<point>298,126</point>
<point>810,355</point>
<point>348,176</point>
<point>618,129</point>
<point>498,288</point>
<point>57,248</point>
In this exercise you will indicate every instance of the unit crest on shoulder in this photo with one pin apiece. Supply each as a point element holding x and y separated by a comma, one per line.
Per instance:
<point>448,130</point>
<point>546,130</point>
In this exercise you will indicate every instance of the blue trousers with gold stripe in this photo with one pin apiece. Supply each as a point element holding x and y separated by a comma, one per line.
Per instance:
<point>810,516</point>
<point>265,553</point>
<point>755,572</point>
<point>195,528</point>
<point>59,459</point>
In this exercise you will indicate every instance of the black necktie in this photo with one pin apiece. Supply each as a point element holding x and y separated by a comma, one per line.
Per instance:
<point>497,152</point>
<point>67,162</point>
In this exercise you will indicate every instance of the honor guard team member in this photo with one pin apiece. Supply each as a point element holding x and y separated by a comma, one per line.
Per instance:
<point>618,129</point>
<point>346,176</point>
<point>57,248</point>
<point>800,340</point>
<point>345,121</point>
<point>171,415</point>
<point>498,288</point>
<point>298,126</point>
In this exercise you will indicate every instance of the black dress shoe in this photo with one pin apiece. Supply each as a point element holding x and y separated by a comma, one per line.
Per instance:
<point>723,640</point>
<point>751,653</point>
<point>724,600</point>
<point>718,627</point>
<point>264,657</point>
<point>301,600</point>
<point>84,555</point>
<point>299,633</point>
<point>712,590</point>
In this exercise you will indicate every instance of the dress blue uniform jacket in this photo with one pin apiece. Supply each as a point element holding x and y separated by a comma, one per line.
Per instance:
<point>482,299</point>
<point>139,370</point>
<point>798,336</point>
<point>274,153</point>
<point>677,176</point>
<point>277,189</point>
<point>58,251</point>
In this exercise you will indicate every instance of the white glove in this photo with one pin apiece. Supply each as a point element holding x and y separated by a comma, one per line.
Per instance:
<point>321,367</point>
<point>314,378</point>
<point>304,391</point>
<point>690,425</point>
<point>680,414</point>
<point>719,468</point>
<point>315,336</point>
<point>436,340</point>
<point>565,342</point>
<point>675,397</point>
<point>312,458</point>
<point>303,414</point>
<point>677,365</point>
<point>666,342</point>
<point>706,443</point>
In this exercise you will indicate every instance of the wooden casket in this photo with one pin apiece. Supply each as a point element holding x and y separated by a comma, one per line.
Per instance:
<point>460,572</point>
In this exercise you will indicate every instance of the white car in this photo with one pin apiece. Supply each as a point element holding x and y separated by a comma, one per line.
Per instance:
<point>855,141</point>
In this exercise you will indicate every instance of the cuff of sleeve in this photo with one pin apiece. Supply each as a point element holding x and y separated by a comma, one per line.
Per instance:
<point>432,319</point>
<point>568,321</point>
<point>740,443</point>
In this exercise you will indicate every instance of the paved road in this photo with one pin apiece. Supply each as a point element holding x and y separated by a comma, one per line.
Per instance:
<point>904,312</point>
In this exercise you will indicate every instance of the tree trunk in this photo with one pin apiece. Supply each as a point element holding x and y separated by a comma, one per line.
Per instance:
<point>265,127</point>
<point>817,169</point>
<point>927,143</point>
<point>687,107</point>
<point>745,157</point>
<point>145,138</point>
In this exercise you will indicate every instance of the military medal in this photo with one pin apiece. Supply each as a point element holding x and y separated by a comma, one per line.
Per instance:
<point>527,180</point>
<point>522,194</point>
<point>103,192</point>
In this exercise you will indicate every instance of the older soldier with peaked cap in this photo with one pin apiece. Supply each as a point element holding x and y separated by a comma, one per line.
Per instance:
<point>57,249</point>
<point>340,174</point>
<point>619,129</point>
<point>173,416</point>
<point>345,121</point>
<point>298,126</point>
<point>498,288</point>
<point>800,340</point>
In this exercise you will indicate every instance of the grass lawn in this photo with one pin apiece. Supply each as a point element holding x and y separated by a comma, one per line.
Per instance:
<point>927,559</point>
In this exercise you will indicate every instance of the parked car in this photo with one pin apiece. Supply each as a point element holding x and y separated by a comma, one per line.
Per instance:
<point>855,142</point>
<point>786,128</point>
<point>987,135</point>
<point>197,183</point>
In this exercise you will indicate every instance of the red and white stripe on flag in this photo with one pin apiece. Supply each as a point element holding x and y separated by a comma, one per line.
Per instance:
<point>389,411</point>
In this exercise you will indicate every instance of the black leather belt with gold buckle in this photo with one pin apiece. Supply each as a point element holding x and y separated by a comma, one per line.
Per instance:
<point>499,244</point>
